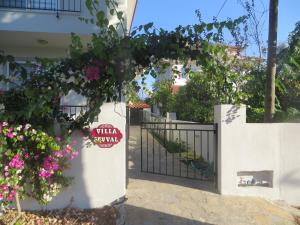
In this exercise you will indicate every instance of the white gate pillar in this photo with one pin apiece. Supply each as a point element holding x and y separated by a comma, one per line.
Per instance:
<point>230,120</point>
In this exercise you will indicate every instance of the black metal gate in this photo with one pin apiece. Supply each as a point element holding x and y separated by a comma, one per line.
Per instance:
<point>179,149</point>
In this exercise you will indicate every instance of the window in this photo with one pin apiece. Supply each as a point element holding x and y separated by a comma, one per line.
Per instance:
<point>13,4</point>
<point>5,70</point>
<point>42,4</point>
<point>52,5</point>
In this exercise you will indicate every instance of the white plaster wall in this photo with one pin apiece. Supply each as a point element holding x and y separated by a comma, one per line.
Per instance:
<point>99,172</point>
<point>257,147</point>
<point>290,163</point>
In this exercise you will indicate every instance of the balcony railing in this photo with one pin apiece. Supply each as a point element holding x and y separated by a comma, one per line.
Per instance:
<point>49,5</point>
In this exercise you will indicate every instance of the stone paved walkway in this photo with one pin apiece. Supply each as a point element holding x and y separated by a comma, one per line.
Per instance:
<point>162,200</point>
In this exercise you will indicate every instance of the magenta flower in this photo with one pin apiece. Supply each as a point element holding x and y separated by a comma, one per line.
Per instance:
<point>10,135</point>
<point>4,187</point>
<point>9,198</point>
<point>74,155</point>
<point>44,173</point>
<point>6,174</point>
<point>68,149</point>
<point>92,72</point>
<point>26,155</point>
<point>16,162</point>
<point>51,164</point>
<point>13,192</point>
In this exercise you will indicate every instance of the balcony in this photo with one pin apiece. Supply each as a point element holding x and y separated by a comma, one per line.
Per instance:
<point>48,5</point>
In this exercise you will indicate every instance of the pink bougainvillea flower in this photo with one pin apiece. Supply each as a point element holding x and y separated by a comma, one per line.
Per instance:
<point>26,155</point>
<point>9,198</point>
<point>75,154</point>
<point>44,173</point>
<point>92,72</point>
<point>59,154</point>
<point>51,164</point>
<point>68,149</point>
<point>4,124</point>
<point>6,174</point>
<point>10,135</point>
<point>16,162</point>
<point>36,157</point>
<point>4,187</point>
<point>13,192</point>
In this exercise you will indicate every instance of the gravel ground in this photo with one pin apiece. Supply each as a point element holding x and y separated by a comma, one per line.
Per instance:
<point>70,216</point>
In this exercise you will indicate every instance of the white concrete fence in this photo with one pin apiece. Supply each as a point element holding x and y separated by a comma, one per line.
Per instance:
<point>253,160</point>
<point>257,159</point>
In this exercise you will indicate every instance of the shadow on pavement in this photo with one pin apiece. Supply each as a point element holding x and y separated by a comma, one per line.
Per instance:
<point>142,216</point>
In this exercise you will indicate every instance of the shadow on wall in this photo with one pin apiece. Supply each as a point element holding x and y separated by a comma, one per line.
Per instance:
<point>231,114</point>
<point>142,216</point>
<point>292,178</point>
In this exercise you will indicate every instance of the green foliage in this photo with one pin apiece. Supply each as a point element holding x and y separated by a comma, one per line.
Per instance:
<point>162,96</point>
<point>290,115</point>
<point>171,146</point>
<point>196,100</point>
<point>289,72</point>
<point>132,90</point>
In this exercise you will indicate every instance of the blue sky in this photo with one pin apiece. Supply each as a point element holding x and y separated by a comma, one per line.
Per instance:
<point>168,14</point>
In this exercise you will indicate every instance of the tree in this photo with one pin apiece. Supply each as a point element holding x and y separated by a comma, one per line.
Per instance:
<point>271,62</point>
<point>162,96</point>
<point>256,21</point>
<point>132,90</point>
<point>289,76</point>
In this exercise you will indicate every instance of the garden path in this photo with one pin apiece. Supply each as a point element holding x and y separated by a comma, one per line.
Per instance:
<point>161,200</point>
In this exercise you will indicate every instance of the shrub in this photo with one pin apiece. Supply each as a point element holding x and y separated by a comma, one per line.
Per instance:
<point>32,163</point>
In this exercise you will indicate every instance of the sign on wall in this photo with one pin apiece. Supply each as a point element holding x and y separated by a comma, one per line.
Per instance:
<point>106,135</point>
